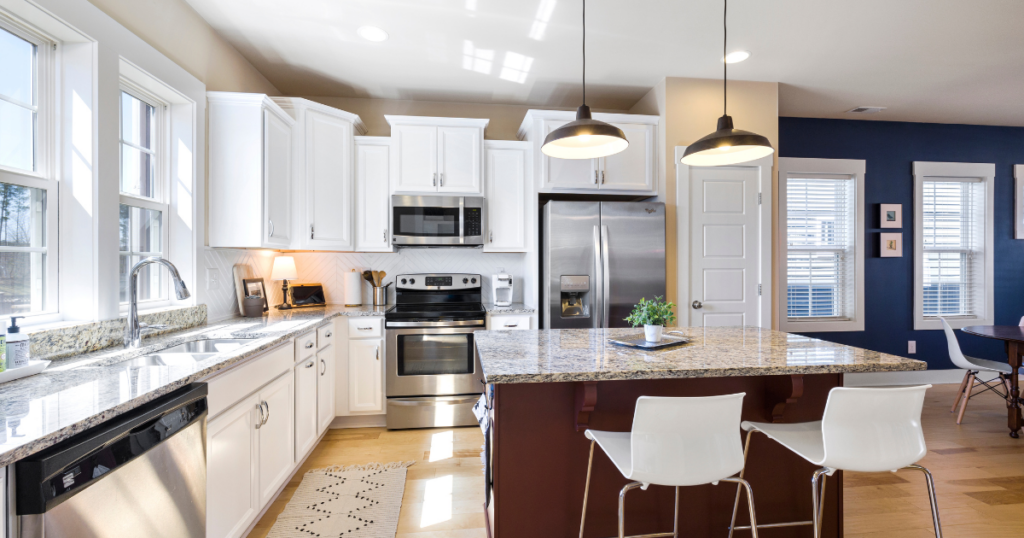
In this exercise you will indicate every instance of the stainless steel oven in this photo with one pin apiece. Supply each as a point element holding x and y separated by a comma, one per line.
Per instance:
<point>437,221</point>
<point>433,372</point>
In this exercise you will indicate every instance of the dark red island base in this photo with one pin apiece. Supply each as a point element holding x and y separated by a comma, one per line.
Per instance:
<point>540,460</point>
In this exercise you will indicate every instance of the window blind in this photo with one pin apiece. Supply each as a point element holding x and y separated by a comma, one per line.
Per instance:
<point>820,249</point>
<point>953,240</point>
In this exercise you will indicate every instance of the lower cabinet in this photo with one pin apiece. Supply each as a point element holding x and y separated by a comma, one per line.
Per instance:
<point>324,389</point>
<point>276,448</point>
<point>365,376</point>
<point>306,423</point>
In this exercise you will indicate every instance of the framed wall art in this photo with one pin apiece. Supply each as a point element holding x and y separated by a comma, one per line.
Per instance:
<point>892,216</point>
<point>892,245</point>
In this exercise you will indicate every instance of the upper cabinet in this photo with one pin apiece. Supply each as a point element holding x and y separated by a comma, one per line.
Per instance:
<point>373,201</point>
<point>436,155</point>
<point>633,171</point>
<point>250,170</point>
<point>507,167</point>
<point>322,178</point>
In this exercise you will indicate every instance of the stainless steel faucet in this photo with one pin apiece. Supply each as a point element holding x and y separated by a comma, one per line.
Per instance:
<point>133,332</point>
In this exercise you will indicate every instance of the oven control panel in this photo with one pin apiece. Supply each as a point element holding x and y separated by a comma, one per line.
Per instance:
<point>439,281</point>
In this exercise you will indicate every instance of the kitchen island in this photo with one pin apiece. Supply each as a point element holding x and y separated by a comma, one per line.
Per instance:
<point>549,386</point>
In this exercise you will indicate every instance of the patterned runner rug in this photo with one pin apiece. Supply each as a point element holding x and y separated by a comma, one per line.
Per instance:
<point>359,501</point>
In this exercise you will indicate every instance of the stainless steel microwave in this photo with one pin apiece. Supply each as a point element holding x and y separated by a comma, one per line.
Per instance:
<point>437,221</point>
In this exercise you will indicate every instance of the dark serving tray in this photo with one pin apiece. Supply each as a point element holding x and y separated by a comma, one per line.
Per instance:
<point>640,341</point>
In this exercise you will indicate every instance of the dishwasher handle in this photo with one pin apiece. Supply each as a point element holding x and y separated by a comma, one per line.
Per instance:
<point>48,478</point>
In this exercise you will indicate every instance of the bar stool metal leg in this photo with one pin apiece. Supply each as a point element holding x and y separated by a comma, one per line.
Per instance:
<point>622,506</point>
<point>675,524</point>
<point>750,502</point>
<point>736,504</point>
<point>586,490</point>
<point>931,497</point>
<point>818,502</point>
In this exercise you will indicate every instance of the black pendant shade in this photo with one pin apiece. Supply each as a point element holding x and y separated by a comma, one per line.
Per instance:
<point>727,146</point>
<point>584,138</point>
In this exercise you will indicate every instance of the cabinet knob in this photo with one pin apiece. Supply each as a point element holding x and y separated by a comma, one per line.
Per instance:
<point>309,345</point>
<point>310,365</point>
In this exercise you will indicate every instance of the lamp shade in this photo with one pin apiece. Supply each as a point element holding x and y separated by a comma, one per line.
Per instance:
<point>584,138</point>
<point>727,146</point>
<point>284,269</point>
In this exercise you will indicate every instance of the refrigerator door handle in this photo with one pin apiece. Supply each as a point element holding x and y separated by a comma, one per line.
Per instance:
<point>606,291</point>
<point>598,306</point>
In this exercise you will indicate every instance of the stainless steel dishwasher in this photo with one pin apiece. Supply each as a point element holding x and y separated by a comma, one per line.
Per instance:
<point>140,474</point>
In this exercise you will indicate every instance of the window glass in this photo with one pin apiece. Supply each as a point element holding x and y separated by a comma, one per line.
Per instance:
<point>23,259</point>
<point>138,146</point>
<point>141,236</point>
<point>17,102</point>
<point>952,220</point>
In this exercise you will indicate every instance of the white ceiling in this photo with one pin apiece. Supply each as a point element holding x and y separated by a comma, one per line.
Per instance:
<point>950,61</point>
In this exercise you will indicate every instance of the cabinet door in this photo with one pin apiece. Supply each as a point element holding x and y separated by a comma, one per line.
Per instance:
<point>276,437</point>
<point>506,200</point>
<point>328,183</point>
<point>277,150</point>
<point>231,499</point>
<point>372,198</point>
<point>634,168</point>
<point>458,157</point>
<point>365,376</point>
<point>325,389</point>
<point>305,406</point>
<point>560,174</point>
<point>415,159</point>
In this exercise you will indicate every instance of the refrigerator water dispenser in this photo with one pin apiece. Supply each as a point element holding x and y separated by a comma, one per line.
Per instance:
<point>575,296</point>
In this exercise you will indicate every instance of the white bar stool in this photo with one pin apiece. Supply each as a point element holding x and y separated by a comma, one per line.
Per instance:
<point>866,430</point>
<point>974,366</point>
<point>675,442</point>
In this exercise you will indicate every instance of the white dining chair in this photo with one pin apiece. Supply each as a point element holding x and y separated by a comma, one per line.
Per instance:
<point>973,366</point>
<point>675,442</point>
<point>867,430</point>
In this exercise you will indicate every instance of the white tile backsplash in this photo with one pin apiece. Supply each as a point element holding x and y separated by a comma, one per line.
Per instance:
<point>327,268</point>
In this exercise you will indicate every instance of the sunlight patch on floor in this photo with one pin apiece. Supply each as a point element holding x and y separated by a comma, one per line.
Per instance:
<point>442,445</point>
<point>437,501</point>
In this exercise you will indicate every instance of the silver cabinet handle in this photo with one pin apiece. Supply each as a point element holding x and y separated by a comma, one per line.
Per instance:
<point>511,326</point>
<point>271,227</point>
<point>492,236</point>
<point>259,423</point>
<point>311,231</point>
<point>323,370</point>
<point>309,345</point>
<point>364,328</point>
<point>441,175</point>
<point>376,352</point>
<point>697,305</point>
<point>602,177</point>
<point>385,236</point>
<point>435,179</point>
<point>328,335</point>
<point>595,177</point>
<point>268,413</point>
<point>310,365</point>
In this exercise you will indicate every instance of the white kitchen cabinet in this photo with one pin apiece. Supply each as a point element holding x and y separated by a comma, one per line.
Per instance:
<point>436,155</point>
<point>509,322</point>
<point>249,162</point>
<point>276,437</point>
<point>365,376</point>
<point>633,171</point>
<point>306,403</point>
<point>325,389</point>
<point>322,183</point>
<point>373,196</point>
<point>231,492</point>
<point>506,169</point>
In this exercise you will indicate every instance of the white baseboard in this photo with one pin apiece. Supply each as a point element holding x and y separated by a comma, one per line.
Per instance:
<point>925,377</point>
<point>359,421</point>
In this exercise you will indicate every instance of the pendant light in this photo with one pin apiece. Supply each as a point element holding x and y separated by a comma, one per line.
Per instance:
<point>726,145</point>
<point>584,138</point>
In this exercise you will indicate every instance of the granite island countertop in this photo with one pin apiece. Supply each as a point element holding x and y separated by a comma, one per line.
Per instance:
<point>79,392</point>
<point>551,356</point>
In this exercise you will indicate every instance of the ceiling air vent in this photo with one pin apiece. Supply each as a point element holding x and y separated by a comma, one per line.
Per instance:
<point>866,110</point>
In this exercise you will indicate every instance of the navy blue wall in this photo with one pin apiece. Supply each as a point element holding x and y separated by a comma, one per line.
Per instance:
<point>889,149</point>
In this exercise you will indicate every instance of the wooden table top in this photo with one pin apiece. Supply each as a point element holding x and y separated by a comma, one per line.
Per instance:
<point>1008,333</point>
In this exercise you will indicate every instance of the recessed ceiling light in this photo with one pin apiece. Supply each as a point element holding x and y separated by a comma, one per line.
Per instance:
<point>736,57</point>
<point>372,33</point>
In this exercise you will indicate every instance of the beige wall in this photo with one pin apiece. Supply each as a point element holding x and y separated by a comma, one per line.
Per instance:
<point>177,31</point>
<point>689,110</point>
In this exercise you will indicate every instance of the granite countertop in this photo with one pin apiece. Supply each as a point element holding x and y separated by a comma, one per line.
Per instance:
<point>585,355</point>
<point>79,392</point>
<point>514,308</point>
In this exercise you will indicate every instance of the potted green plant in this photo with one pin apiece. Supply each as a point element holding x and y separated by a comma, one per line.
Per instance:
<point>653,315</point>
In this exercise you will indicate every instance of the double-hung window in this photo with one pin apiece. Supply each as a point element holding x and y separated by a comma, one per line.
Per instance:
<point>821,219</point>
<point>28,188</point>
<point>953,244</point>
<point>143,208</point>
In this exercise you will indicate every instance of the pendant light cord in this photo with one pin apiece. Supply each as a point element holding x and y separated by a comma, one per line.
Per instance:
<point>584,52</point>
<point>725,62</point>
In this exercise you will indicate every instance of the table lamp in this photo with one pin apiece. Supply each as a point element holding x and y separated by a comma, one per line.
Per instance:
<point>284,269</point>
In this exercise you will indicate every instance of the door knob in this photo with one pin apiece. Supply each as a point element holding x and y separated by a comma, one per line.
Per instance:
<point>697,305</point>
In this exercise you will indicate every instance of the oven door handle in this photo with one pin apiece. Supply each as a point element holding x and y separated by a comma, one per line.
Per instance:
<point>435,400</point>
<point>467,323</point>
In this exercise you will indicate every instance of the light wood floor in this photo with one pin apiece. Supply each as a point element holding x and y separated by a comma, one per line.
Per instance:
<point>978,469</point>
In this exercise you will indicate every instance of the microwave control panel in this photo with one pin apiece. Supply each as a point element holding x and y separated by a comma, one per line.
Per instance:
<point>474,222</point>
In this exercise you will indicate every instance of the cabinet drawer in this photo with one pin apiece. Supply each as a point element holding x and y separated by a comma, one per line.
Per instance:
<point>510,323</point>
<point>235,384</point>
<point>364,328</point>
<point>325,336</point>
<point>305,346</point>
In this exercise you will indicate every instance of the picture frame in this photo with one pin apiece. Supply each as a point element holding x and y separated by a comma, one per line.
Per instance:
<point>891,245</point>
<point>891,216</point>
<point>255,286</point>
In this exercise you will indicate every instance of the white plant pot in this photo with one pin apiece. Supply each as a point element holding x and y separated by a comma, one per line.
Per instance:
<point>653,332</point>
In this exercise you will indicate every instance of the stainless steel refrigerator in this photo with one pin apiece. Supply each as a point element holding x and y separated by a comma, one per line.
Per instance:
<point>599,259</point>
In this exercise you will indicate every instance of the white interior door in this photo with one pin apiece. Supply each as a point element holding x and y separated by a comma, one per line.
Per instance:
<point>729,244</point>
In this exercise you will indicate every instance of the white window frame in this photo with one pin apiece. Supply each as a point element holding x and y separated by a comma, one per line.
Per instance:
<point>839,168</point>
<point>44,173</point>
<point>161,202</point>
<point>985,173</point>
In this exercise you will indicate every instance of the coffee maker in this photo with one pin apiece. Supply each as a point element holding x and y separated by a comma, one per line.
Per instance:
<point>501,289</point>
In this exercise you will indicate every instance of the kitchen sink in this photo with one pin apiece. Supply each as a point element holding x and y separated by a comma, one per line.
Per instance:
<point>212,346</point>
<point>169,359</point>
